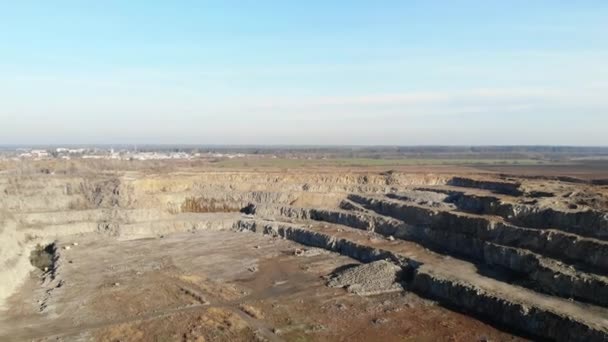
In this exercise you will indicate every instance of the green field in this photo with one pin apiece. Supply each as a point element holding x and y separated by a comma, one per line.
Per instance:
<point>341,162</point>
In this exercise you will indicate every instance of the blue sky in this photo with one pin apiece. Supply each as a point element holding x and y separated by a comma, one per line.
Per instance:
<point>304,72</point>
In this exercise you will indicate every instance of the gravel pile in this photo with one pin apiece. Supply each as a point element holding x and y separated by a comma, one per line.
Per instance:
<point>368,279</point>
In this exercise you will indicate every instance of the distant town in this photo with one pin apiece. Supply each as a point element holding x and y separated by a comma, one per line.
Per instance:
<point>223,152</point>
<point>66,153</point>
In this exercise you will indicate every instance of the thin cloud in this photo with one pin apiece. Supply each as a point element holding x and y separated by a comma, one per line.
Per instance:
<point>496,95</point>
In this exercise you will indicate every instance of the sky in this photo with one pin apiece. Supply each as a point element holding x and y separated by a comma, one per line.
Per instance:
<point>315,72</point>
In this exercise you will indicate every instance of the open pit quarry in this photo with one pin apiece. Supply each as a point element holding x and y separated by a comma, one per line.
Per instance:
<point>318,255</point>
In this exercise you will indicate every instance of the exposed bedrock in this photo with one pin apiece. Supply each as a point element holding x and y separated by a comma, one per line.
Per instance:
<point>507,305</point>
<point>501,187</point>
<point>516,315</point>
<point>38,208</point>
<point>590,223</point>
<point>592,253</point>
<point>14,258</point>
<point>321,240</point>
<point>483,240</point>
<point>542,273</point>
<point>529,267</point>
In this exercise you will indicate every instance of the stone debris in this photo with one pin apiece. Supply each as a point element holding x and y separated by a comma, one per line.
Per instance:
<point>368,279</point>
<point>341,306</point>
<point>379,321</point>
<point>251,311</point>
<point>310,252</point>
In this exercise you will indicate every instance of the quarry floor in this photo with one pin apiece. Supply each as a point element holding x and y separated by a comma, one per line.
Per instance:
<point>216,286</point>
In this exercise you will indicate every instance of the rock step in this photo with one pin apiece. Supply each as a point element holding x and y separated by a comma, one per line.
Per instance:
<point>347,204</point>
<point>501,187</point>
<point>590,253</point>
<point>589,223</point>
<point>454,282</point>
<point>449,190</point>
<point>136,229</point>
<point>546,274</point>
<point>180,223</point>
<point>29,219</point>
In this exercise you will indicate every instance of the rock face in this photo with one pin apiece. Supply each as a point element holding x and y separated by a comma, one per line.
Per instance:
<point>458,284</point>
<point>501,187</point>
<point>526,254</point>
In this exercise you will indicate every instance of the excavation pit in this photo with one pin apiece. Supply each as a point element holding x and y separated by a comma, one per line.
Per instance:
<point>226,255</point>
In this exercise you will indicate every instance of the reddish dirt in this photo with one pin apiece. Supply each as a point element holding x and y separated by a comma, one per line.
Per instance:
<point>220,286</point>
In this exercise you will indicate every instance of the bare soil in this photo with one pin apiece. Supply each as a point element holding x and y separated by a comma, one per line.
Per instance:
<point>217,286</point>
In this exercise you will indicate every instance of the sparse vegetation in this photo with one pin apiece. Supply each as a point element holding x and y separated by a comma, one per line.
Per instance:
<point>352,162</point>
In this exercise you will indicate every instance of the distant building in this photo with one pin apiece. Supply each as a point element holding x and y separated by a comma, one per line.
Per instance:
<point>40,153</point>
